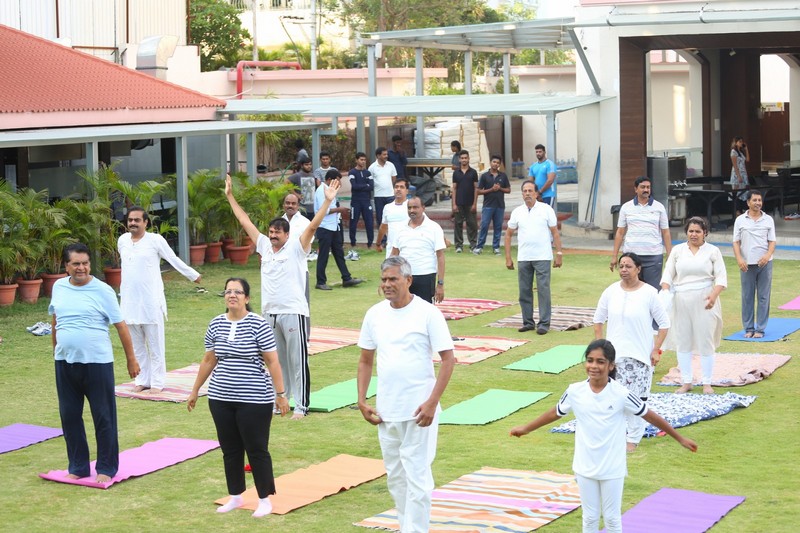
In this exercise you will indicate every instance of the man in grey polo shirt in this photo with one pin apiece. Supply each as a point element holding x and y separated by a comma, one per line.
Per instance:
<point>642,228</point>
<point>421,243</point>
<point>753,246</point>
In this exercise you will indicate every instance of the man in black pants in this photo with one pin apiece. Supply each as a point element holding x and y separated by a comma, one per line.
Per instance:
<point>331,238</point>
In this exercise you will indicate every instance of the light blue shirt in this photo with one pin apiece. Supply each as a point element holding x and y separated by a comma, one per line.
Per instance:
<point>331,220</point>
<point>83,315</point>
<point>539,172</point>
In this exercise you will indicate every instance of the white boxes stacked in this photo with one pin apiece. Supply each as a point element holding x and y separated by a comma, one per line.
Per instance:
<point>467,132</point>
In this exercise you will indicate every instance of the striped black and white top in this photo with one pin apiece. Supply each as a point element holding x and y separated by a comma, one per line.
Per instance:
<point>241,374</point>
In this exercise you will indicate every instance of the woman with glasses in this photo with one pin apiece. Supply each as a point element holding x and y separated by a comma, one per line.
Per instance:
<point>246,385</point>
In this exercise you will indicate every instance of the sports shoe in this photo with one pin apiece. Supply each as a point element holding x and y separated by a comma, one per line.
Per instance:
<point>352,255</point>
<point>459,249</point>
<point>477,251</point>
<point>36,326</point>
<point>793,216</point>
<point>312,256</point>
<point>352,282</point>
<point>44,329</point>
<point>496,251</point>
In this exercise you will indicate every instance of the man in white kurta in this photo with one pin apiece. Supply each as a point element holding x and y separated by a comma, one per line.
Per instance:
<point>142,300</point>
<point>405,331</point>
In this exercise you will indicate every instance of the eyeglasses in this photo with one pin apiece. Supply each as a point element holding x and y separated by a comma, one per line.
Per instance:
<point>237,292</point>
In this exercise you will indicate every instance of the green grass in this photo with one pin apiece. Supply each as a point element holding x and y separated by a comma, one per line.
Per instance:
<point>751,452</point>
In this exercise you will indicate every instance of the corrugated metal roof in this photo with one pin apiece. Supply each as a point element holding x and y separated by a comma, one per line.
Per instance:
<point>430,106</point>
<point>40,76</point>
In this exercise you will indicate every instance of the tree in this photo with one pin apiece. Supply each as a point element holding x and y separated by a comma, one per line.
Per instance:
<point>214,25</point>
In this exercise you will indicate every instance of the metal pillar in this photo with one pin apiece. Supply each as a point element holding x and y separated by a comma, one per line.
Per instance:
<point>372,88</point>
<point>233,153</point>
<point>182,196</point>
<point>552,152</point>
<point>507,155</point>
<point>250,141</point>
<point>361,136</point>
<point>420,138</point>
<point>316,147</point>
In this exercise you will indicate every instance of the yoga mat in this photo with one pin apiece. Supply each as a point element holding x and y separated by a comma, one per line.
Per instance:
<point>309,485</point>
<point>731,369</point>
<point>18,436</point>
<point>324,339</point>
<point>145,459</point>
<point>553,361</point>
<point>495,499</point>
<point>177,387</point>
<point>683,409</point>
<point>489,406</point>
<point>458,308</point>
<point>670,510</point>
<point>562,318</point>
<point>469,350</point>
<point>777,328</point>
<point>338,395</point>
<point>794,305</point>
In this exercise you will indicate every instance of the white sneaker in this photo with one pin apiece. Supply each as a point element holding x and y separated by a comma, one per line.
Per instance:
<point>349,255</point>
<point>354,256</point>
<point>793,216</point>
<point>312,256</point>
<point>36,326</point>
<point>44,329</point>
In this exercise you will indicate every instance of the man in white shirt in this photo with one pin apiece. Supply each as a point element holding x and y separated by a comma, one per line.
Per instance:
<point>283,300</point>
<point>643,225</point>
<point>325,166</point>
<point>405,331</point>
<point>142,300</point>
<point>753,246</point>
<point>331,237</point>
<point>395,217</point>
<point>421,243</point>
<point>536,222</point>
<point>384,175</point>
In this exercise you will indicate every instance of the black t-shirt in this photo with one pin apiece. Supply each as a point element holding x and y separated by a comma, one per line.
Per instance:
<point>497,198</point>
<point>465,186</point>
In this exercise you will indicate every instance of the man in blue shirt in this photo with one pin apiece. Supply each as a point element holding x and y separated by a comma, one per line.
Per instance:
<point>398,157</point>
<point>331,238</point>
<point>543,173</point>
<point>361,187</point>
<point>83,307</point>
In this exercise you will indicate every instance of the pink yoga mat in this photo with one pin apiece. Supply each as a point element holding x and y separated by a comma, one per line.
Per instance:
<point>18,436</point>
<point>794,305</point>
<point>145,459</point>
<point>671,510</point>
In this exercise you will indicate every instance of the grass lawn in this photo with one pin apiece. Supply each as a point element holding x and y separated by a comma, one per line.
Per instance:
<point>751,452</point>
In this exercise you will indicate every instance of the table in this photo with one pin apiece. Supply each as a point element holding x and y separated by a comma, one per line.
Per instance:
<point>428,165</point>
<point>711,192</point>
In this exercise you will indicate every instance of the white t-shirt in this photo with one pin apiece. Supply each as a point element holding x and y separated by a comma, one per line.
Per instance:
<point>644,224</point>
<point>630,316</point>
<point>297,225</point>
<point>754,236</point>
<point>600,427</point>
<point>382,176</point>
<point>283,278</point>
<point>534,235</point>
<point>419,245</point>
<point>142,289</point>
<point>405,340</point>
<point>395,216</point>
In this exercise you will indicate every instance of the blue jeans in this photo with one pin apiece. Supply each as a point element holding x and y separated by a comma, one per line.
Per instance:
<point>95,382</point>
<point>495,216</point>
<point>756,286</point>
<point>526,271</point>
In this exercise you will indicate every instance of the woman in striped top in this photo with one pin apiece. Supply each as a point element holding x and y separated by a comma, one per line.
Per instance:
<point>246,384</point>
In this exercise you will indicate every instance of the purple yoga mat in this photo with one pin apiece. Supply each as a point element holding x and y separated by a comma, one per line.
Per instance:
<point>794,305</point>
<point>670,510</point>
<point>143,460</point>
<point>18,436</point>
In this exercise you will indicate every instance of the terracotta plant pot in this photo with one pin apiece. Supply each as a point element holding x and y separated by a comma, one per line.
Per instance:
<point>113,276</point>
<point>29,290</point>
<point>247,241</point>
<point>238,254</point>
<point>7,294</point>
<point>48,280</point>
<point>197,254</point>
<point>212,252</point>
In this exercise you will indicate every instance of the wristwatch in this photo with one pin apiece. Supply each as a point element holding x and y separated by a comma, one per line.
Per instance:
<point>440,282</point>
<point>281,394</point>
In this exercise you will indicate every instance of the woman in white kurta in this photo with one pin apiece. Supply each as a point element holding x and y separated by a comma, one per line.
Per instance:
<point>695,273</point>
<point>630,307</point>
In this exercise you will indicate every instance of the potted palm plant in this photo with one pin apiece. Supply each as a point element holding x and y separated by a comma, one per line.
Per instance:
<point>104,191</point>
<point>12,245</point>
<point>56,239</point>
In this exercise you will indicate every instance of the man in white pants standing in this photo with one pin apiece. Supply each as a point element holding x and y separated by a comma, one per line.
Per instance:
<point>142,300</point>
<point>405,331</point>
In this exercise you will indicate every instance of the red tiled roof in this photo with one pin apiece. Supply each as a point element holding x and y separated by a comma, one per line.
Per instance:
<point>40,76</point>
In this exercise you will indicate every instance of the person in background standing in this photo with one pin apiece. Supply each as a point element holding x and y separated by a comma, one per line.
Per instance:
<point>384,174</point>
<point>464,201</point>
<point>543,172</point>
<point>398,157</point>
<point>740,156</point>
<point>493,186</point>
<point>361,187</point>
<point>455,147</point>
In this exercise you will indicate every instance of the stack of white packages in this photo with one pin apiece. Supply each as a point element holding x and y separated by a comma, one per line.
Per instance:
<point>467,132</point>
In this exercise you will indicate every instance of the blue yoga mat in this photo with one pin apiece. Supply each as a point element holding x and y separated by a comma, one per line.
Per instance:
<point>777,328</point>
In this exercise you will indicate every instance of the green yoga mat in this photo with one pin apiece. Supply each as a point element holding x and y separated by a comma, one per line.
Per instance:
<point>338,395</point>
<point>489,406</point>
<point>553,361</point>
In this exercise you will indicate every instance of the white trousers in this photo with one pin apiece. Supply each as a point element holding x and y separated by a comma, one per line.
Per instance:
<point>685,366</point>
<point>408,452</point>
<point>150,348</point>
<point>601,497</point>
